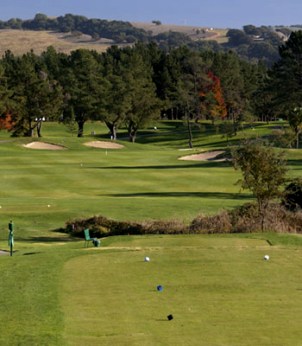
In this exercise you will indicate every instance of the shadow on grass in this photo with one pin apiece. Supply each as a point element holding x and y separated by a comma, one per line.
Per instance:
<point>294,163</point>
<point>194,164</point>
<point>47,239</point>
<point>221,195</point>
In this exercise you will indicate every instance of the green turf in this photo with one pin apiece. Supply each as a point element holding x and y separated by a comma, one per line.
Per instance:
<point>41,189</point>
<point>219,289</point>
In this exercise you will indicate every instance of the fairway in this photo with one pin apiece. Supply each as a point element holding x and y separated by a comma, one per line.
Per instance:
<point>219,290</point>
<point>42,189</point>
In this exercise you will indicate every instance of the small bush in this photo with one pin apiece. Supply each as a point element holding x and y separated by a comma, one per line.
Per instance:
<point>211,224</point>
<point>164,227</point>
<point>292,199</point>
<point>245,219</point>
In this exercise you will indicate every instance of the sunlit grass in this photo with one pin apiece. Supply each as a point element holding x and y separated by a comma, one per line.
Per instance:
<point>219,289</point>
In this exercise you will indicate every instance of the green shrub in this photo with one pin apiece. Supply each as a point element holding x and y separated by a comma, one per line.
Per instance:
<point>292,199</point>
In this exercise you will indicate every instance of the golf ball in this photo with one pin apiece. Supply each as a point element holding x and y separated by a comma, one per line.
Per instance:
<point>266,257</point>
<point>147,259</point>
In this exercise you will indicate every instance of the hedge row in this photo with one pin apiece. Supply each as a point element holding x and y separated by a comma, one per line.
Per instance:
<point>244,219</point>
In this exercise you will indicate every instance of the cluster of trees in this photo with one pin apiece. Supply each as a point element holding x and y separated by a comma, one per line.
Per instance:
<point>251,43</point>
<point>280,93</point>
<point>257,43</point>
<point>132,86</point>
<point>118,31</point>
<point>123,87</point>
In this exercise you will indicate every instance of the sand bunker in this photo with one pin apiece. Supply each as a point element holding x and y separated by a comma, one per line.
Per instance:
<point>206,156</point>
<point>43,145</point>
<point>104,145</point>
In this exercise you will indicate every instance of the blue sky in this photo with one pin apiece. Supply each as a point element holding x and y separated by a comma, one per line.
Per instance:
<point>212,13</point>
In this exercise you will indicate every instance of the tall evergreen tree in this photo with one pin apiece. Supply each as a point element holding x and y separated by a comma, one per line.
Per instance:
<point>85,88</point>
<point>35,95</point>
<point>286,82</point>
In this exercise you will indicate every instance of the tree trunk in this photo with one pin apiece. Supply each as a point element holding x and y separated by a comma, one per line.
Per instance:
<point>112,129</point>
<point>189,133</point>
<point>80,128</point>
<point>132,130</point>
<point>262,205</point>
<point>297,139</point>
<point>39,127</point>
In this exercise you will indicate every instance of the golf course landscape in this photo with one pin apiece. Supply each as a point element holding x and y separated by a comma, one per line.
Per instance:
<point>217,289</point>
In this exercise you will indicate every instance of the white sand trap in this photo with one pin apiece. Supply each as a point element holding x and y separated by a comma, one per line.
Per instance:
<point>104,145</point>
<point>206,156</point>
<point>43,145</point>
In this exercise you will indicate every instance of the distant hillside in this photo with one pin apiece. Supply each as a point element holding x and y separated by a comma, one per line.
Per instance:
<point>70,32</point>
<point>194,32</point>
<point>22,41</point>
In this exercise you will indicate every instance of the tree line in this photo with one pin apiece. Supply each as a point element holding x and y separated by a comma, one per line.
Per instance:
<point>131,86</point>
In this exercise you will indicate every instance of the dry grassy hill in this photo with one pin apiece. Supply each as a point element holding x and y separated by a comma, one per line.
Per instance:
<point>194,32</point>
<point>22,41</point>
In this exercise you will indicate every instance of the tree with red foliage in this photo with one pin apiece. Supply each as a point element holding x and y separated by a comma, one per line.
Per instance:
<point>6,122</point>
<point>212,99</point>
<point>6,119</point>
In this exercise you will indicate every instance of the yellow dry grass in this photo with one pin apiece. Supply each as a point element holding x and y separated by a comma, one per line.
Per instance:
<point>22,41</point>
<point>195,32</point>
